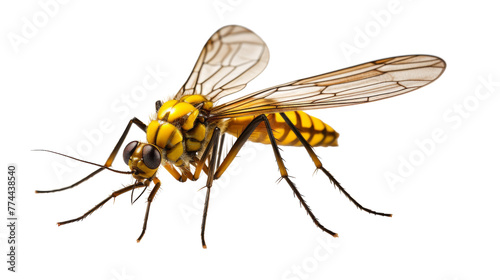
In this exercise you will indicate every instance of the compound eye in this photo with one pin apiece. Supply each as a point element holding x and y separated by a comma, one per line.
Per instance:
<point>151,156</point>
<point>129,150</point>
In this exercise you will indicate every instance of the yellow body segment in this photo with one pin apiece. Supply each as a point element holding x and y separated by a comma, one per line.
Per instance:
<point>192,145</point>
<point>178,127</point>
<point>197,133</point>
<point>316,132</point>
<point>196,99</point>
<point>189,122</point>
<point>151,132</point>
<point>166,108</point>
<point>180,110</point>
<point>175,152</point>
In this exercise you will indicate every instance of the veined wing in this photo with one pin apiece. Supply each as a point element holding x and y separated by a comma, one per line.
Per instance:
<point>363,83</point>
<point>231,58</point>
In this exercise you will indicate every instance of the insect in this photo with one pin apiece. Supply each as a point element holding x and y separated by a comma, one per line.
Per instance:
<point>187,132</point>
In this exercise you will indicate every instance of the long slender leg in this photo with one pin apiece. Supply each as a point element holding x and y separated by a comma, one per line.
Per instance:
<point>150,199</point>
<point>221,145</point>
<point>171,169</point>
<point>100,204</point>
<point>284,175</point>
<point>110,159</point>
<point>196,163</point>
<point>242,139</point>
<point>211,171</point>
<point>319,165</point>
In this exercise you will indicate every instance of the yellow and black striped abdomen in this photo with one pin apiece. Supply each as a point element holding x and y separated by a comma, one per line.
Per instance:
<point>316,132</point>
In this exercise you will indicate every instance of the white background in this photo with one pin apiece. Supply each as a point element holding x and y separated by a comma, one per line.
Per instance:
<point>62,80</point>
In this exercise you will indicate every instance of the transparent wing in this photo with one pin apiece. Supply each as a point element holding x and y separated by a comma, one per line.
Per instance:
<point>363,83</point>
<point>231,58</point>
